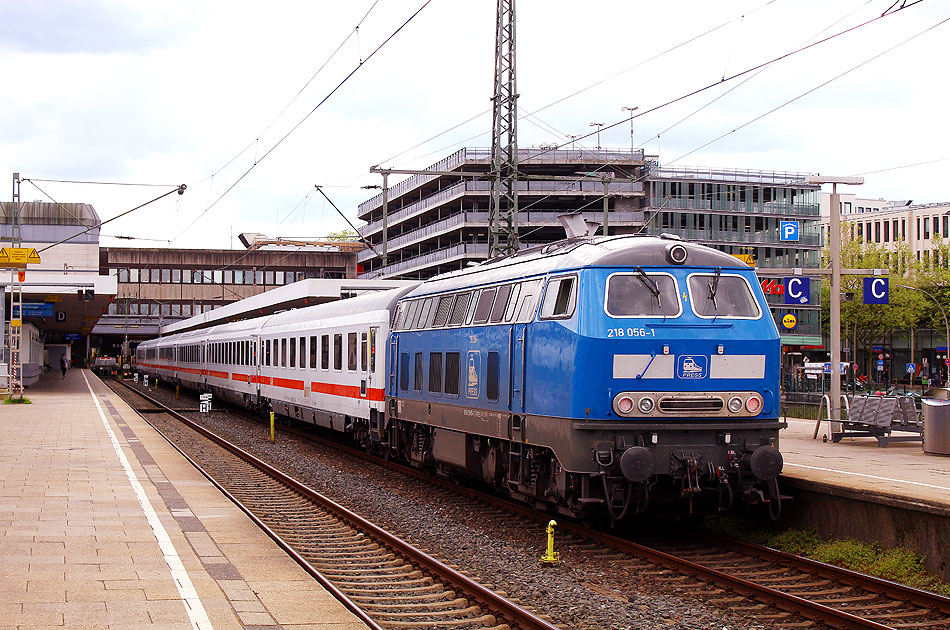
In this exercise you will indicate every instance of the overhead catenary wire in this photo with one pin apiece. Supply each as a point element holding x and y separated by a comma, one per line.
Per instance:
<point>307,116</point>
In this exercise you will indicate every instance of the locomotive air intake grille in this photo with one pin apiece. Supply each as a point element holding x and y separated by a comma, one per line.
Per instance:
<point>690,404</point>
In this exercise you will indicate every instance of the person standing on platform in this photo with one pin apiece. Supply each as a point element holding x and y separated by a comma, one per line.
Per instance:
<point>64,364</point>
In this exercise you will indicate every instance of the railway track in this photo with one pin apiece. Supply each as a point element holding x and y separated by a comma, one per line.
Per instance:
<point>385,580</point>
<point>774,588</point>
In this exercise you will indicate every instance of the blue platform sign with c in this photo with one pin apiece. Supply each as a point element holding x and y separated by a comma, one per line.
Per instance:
<point>876,291</point>
<point>788,230</point>
<point>797,290</point>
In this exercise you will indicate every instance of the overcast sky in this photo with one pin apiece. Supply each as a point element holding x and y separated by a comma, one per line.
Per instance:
<point>172,93</point>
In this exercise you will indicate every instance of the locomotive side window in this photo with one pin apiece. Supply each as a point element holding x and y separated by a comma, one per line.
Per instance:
<point>417,377</point>
<point>351,352</point>
<point>410,315</point>
<point>338,351</point>
<point>720,295</point>
<point>435,372</point>
<point>452,373</point>
<point>491,376</point>
<point>313,352</point>
<point>512,302</point>
<point>442,312</point>
<point>559,298</point>
<point>404,371</point>
<point>483,306</point>
<point>461,308</point>
<point>529,300</point>
<point>501,302</point>
<point>325,352</point>
<point>423,320</point>
<point>642,294</point>
<point>471,308</point>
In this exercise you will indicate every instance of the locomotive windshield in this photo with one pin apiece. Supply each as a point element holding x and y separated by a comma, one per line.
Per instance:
<point>720,295</point>
<point>642,294</point>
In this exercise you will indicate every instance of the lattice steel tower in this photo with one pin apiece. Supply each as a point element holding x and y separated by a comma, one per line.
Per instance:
<point>503,211</point>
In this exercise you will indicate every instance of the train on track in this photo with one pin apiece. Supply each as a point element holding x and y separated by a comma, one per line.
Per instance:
<point>592,375</point>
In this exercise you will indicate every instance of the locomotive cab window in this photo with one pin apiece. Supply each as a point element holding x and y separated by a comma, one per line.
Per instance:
<point>642,294</point>
<point>721,295</point>
<point>559,298</point>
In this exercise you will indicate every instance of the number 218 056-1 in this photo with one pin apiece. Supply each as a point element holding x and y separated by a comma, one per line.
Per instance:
<point>630,332</point>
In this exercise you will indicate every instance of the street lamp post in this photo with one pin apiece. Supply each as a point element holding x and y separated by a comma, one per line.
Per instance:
<point>631,110</point>
<point>834,242</point>
<point>598,125</point>
<point>942,312</point>
<point>573,137</point>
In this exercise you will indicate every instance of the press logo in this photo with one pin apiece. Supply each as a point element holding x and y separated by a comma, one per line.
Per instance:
<point>691,366</point>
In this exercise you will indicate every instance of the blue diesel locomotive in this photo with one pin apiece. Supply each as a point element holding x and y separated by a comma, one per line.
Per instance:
<point>592,375</point>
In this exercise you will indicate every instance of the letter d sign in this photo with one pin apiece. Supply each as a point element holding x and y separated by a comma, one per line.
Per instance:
<point>875,291</point>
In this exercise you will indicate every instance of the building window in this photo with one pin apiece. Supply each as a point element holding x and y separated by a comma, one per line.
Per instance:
<point>268,277</point>
<point>926,227</point>
<point>238,276</point>
<point>133,275</point>
<point>228,276</point>
<point>887,225</point>
<point>877,231</point>
<point>123,275</point>
<point>156,275</point>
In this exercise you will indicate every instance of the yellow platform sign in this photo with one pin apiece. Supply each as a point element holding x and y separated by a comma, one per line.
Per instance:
<point>18,256</point>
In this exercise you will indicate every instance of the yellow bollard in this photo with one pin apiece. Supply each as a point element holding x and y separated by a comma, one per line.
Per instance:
<point>551,558</point>
<point>272,427</point>
<point>176,391</point>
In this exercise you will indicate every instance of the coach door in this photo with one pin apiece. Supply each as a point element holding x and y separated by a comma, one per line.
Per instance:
<point>256,364</point>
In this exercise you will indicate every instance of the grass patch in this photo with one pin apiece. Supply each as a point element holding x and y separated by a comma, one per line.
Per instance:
<point>897,565</point>
<point>17,401</point>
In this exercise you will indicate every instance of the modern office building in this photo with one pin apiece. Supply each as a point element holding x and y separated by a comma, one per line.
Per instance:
<point>436,223</point>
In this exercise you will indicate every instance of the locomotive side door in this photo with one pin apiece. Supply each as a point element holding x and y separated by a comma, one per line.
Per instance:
<point>519,342</point>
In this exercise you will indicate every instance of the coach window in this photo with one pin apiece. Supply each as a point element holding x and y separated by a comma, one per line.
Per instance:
<point>364,352</point>
<point>452,373</point>
<point>283,352</point>
<point>404,371</point>
<point>483,306</point>
<point>303,352</point>
<point>443,310</point>
<point>325,352</point>
<point>267,352</point>
<point>313,352</point>
<point>559,298</point>
<point>435,372</point>
<point>338,351</point>
<point>417,378</point>
<point>293,352</point>
<point>501,302</point>
<point>351,352</point>
<point>372,349</point>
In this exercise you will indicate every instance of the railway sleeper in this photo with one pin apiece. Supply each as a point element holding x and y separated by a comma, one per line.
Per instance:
<point>459,611</point>
<point>432,597</point>
<point>831,601</point>
<point>384,608</point>
<point>351,552</point>
<point>374,589</point>
<point>341,568</point>
<point>415,579</point>
<point>484,620</point>
<point>378,573</point>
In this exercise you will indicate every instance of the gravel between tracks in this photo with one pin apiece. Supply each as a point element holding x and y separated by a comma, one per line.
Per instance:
<point>582,593</point>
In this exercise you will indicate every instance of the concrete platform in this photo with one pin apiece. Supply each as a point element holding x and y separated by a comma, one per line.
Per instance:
<point>104,525</point>
<point>900,469</point>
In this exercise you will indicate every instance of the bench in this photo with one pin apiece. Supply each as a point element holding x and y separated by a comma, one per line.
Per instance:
<point>879,417</point>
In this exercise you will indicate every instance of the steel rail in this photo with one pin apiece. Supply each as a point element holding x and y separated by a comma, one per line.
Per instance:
<point>488,598</point>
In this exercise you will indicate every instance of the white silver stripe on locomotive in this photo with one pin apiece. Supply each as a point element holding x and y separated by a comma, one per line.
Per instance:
<point>645,366</point>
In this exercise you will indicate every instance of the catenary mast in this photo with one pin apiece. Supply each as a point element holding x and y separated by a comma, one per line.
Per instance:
<point>503,209</point>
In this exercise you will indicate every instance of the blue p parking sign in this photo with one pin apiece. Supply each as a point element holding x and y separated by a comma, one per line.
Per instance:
<point>788,230</point>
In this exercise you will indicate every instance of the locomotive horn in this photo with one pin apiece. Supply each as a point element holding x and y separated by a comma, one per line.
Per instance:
<point>636,463</point>
<point>766,463</point>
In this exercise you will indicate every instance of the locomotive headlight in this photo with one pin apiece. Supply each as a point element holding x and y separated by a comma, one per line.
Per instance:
<point>754,404</point>
<point>735,404</point>
<point>646,404</point>
<point>676,254</point>
<point>624,404</point>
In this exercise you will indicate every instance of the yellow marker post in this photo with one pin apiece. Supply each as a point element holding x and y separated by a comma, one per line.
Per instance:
<point>272,427</point>
<point>176,391</point>
<point>551,558</point>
